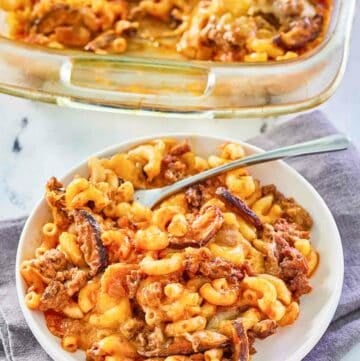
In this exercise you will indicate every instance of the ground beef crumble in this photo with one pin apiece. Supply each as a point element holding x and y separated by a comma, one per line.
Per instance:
<point>284,261</point>
<point>50,263</point>
<point>174,168</point>
<point>194,196</point>
<point>201,262</point>
<point>263,329</point>
<point>55,297</point>
<point>292,211</point>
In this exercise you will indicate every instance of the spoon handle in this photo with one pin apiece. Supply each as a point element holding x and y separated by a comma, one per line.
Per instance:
<point>326,144</point>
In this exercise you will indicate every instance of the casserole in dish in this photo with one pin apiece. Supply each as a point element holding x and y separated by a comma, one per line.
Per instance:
<point>179,86</point>
<point>221,30</point>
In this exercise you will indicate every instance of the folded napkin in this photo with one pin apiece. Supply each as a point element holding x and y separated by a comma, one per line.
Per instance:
<point>336,176</point>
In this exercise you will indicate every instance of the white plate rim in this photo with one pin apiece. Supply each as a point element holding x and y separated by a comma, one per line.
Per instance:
<point>302,351</point>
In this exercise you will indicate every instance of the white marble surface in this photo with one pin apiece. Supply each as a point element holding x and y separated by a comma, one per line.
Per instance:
<point>38,140</point>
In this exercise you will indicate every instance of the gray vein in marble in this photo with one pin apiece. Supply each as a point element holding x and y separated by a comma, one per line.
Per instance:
<point>17,147</point>
<point>264,127</point>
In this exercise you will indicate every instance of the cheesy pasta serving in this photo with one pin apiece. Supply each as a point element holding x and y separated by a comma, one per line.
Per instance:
<point>200,277</point>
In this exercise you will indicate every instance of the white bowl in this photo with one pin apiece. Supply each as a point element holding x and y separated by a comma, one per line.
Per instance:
<point>291,343</point>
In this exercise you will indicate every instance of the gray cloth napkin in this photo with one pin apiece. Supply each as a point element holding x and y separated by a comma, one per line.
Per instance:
<point>336,177</point>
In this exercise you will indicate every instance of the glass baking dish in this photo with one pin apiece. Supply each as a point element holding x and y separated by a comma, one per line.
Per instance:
<point>158,86</point>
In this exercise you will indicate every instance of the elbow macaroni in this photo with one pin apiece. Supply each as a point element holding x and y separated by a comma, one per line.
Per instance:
<point>218,293</point>
<point>267,210</point>
<point>235,254</point>
<point>267,300</point>
<point>239,183</point>
<point>179,328</point>
<point>50,233</point>
<point>151,239</point>
<point>161,267</point>
<point>68,244</point>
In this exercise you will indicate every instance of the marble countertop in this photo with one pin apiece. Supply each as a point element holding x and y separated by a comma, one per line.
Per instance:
<point>39,140</point>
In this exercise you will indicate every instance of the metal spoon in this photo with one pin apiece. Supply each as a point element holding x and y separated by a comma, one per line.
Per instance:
<point>150,197</point>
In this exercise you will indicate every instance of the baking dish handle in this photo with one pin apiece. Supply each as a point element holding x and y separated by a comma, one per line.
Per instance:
<point>57,76</point>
